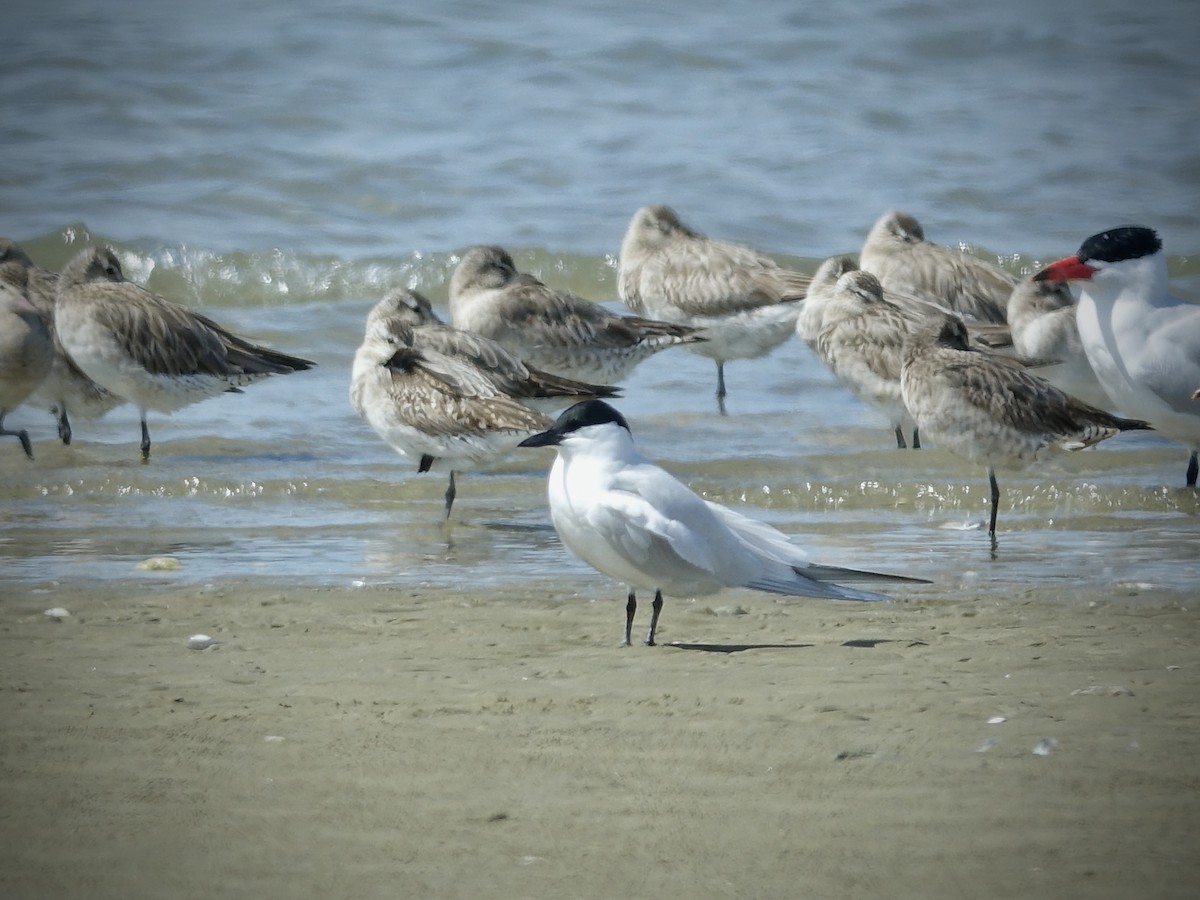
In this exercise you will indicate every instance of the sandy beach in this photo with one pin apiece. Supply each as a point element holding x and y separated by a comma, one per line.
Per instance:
<point>419,742</point>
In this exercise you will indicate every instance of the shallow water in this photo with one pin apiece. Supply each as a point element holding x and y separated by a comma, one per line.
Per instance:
<point>283,174</point>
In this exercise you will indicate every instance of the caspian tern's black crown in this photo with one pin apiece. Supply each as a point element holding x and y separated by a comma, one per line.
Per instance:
<point>1119,244</point>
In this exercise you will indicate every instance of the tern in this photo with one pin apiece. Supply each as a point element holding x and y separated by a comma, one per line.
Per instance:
<point>635,522</point>
<point>1143,343</point>
<point>745,302</point>
<point>154,352</point>
<point>988,409</point>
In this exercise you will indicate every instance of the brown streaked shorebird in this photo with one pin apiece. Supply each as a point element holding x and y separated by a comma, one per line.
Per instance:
<point>897,253</point>
<point>66,389</point>
<point>745,302</point>
<point>549,329</point>
<point>820,292</point>
<point>991,411</point>
<point>403,308</point>
<point>439,409</point>
<point>26,354</point>
<point>1041,320</point>
<point>862,342</point>
<point>154,352</point>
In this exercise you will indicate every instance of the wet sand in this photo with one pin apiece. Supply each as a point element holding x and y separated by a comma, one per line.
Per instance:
<point>422,742</point>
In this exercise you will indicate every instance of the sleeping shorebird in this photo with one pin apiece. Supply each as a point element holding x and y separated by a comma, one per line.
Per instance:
<point>553,330</point>
<point>745,303</point>
<point>862,342</point>
<point>1041,320</point>
<point>896,252</point>
<point>26,354</point>
<point>154,352</point>
<point>991,411</point>
<point>450,399</point>
<point>66,389</point>
<point>1143,344</point>
<point>820,293</point>
<point>635,522</point>
<point>510,375</point>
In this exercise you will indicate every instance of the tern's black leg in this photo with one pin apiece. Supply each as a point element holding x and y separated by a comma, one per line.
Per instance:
<point>916,444</point>
<point>900,445</point>
<point>995,499</point>
<point>22,436</point>
<point>657,607</point>
<point>720,380</point>
<point>145,441</point>
<point>630,609</point>
<point>451,492</point>
<point>1193,469</point>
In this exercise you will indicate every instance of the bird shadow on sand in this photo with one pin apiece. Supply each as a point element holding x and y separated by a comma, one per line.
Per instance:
<point>738,648</point>
<point>735,648</point>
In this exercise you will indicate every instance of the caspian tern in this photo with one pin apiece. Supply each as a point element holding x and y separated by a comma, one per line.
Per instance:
<point>1143,344</point>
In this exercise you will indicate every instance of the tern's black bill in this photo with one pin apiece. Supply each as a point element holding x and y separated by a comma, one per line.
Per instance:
<point>543,439</point>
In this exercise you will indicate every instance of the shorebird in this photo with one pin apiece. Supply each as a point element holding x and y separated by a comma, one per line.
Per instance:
<point>633,521</point>
<point>66,389</point>
<point>991,411</point>
<point>553,330</point>
<point>1143,344</point>
<point>403,308</point>
<point>26,354</point>
<point>745,302</point>
<point>154,352</point>
<point>811,319</point>
<point>862,342</point>
<point>1041,320</point>
<point>897,253</point>
<point>442,410</point>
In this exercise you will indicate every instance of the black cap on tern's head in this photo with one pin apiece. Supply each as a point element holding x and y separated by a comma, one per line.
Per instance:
<point>1113,246</point>
<point>581,415</point>
<point>1120,244</point>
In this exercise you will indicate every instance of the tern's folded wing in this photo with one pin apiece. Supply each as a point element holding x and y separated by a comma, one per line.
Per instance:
<point>652,540</point>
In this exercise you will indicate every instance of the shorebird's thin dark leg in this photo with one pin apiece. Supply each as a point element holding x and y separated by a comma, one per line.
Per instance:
<point>720,380</point>
<point>630,609</point>
<point>450,494</point>
<point>900,445</point>
<point>916,444</point>
<point>1193,469</point>
<point>64,425</point>
<point>22,436</point>
<point>657,607</point>
<point>145,441</point>
<point>995,499</point>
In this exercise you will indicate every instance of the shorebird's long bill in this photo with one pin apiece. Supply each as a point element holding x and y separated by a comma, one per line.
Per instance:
<point>1070,269</point>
